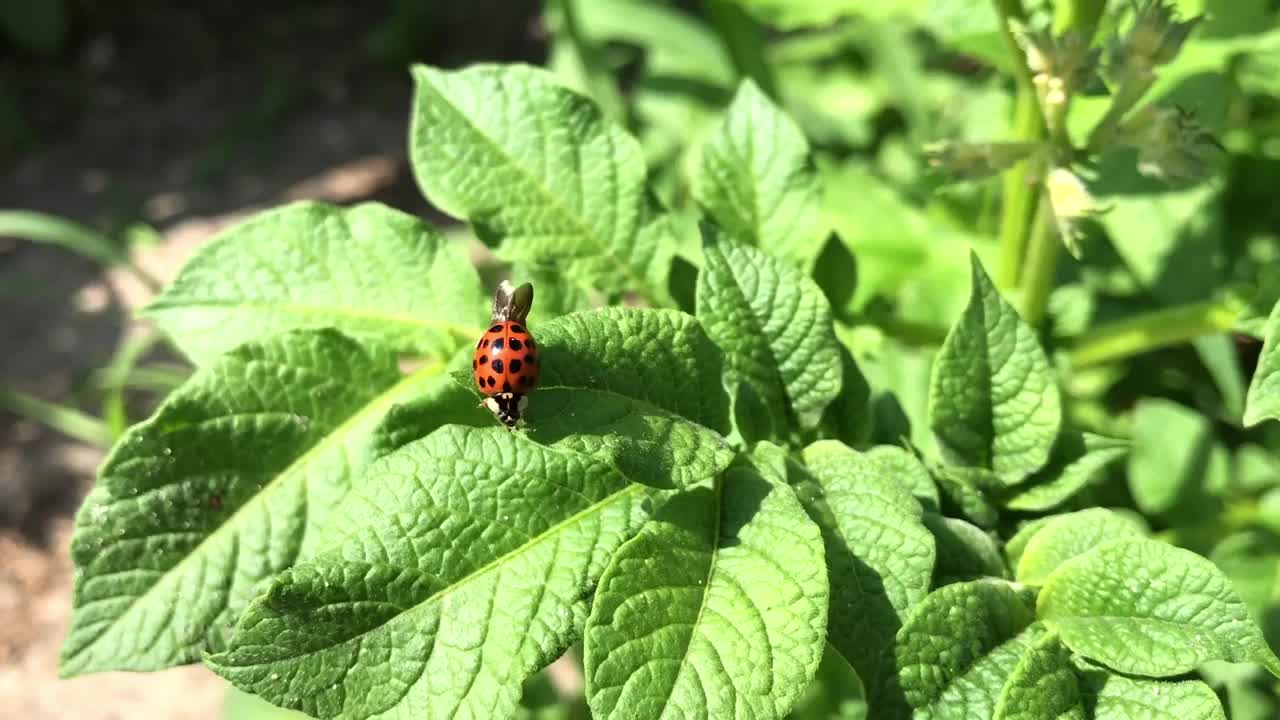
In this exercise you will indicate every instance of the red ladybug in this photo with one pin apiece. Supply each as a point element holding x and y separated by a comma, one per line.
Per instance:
<point>507,360</point>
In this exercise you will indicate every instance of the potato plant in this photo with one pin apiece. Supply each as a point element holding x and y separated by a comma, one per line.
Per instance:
<point>758,478</point>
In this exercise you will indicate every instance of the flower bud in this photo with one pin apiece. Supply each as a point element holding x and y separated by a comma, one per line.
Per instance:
<point>1171,144</point>
<point>1071,202</point>
<point>1155,38</point>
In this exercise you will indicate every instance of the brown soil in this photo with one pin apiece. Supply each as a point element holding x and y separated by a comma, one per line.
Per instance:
<point>186,122</point>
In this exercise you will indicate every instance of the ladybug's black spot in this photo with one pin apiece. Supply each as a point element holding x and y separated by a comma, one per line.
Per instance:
<point>516,344</point>
<point>516,328</point>
<point>506,386</point>
<point>473,364</point>
<point>529,342</point>
<point>531,359</point>
<point>524,379</point>
<point>515,365</point>
<point>495,328</point>
<point>491,381</point>
<point>497,365</point>
<point>497,344</point>
<point>484,359</point>
<point>484,342</point>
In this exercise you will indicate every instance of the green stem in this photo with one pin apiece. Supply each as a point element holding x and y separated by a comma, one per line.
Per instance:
<point>1149,331</point>
<point>1079,15</point>
<point>744,41</point>
<point>1042,262</point>
<point>1019,192</point>
<point>1017,186</point>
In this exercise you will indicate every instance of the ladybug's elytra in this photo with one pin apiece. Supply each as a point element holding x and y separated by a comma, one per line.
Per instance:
<point>507,361</point>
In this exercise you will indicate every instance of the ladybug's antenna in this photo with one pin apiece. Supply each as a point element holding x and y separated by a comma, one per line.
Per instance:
<point>512,303</point>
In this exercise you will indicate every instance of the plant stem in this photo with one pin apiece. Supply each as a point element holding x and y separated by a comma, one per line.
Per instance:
<point>1042,262</point>
<point>1149,331</point>
<point>1018,194</point>
<point>1078,15</point>
<point>1018,190</point>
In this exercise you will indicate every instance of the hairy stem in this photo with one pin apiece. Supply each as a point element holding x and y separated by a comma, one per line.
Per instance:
<point>1149,331</point>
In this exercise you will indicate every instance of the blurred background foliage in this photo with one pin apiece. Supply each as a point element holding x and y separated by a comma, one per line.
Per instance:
<point>1155,325</point>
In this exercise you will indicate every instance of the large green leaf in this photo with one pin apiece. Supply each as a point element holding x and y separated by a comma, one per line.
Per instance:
<point>1263,400</point>
<point>775,327</point>
<point>226,485</point>
<point>757,181</point>
<point>959,646</point>
<point>1068,535</point>
<point>993,399</point>
<point>638,389</point>
<point>374,273</point>
<point>718,608</point>
<point>1116,697</point>
<point>535,166</point>
<point>1146,608</point>
<point>879,554</point>
<point>1043,686</point>
<point>460,565</point>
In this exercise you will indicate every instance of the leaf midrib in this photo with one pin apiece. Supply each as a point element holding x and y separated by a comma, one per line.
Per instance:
<point>706,592</point>
<point>382,401</point>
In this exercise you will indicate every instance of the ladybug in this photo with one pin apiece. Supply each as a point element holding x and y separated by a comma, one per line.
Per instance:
<point>507,361</point>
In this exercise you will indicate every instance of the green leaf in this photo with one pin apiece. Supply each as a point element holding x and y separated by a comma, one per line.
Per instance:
<point>1078,459</point>
<point>879,553</point>
<point>638,388</point>
<point>1065,536</point>
<point>226,485</point>
<point>1043,686</point>
<point>993,399</point>
<point>965,551</point>
<point>716,609</point>
<point>960,645</point>
<point>1263,399</point>
<point>775,328</point>
<point>533,165</point>
<point>1017,544</point>
<point>1174,453</point>
<point>460,565</point>
<point>961,487</point>
<point>1116,697</point>
<point>757,181</point>
<point>374,273</point>
<point>1251,559</point>
<point>904,466</point>
<point>836,692</point>
<point>1146,608</point>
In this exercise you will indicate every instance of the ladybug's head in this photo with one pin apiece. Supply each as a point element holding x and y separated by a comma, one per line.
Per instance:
<point>507,407</point>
